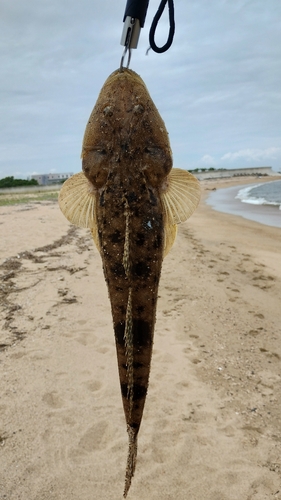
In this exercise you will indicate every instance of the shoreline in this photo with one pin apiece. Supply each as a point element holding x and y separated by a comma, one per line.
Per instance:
<point>223,199</point>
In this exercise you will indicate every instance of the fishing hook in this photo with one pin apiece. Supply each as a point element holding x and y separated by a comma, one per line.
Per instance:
<point>123,57</point>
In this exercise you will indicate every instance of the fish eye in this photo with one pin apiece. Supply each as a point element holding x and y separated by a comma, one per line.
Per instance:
<point>153,151</point>
<point>108,111</point>
<point>138,109</point>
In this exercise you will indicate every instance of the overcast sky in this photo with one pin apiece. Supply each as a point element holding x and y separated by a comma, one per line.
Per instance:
<point>218,88</point>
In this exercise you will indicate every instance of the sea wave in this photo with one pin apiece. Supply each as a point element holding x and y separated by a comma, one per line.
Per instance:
<point>247,195</point>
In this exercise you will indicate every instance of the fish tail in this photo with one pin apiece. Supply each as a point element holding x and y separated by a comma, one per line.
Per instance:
<point>132,457</point>
<point>132,433</point>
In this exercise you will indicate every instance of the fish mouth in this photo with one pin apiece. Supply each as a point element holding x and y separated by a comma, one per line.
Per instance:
<point>124,75</point>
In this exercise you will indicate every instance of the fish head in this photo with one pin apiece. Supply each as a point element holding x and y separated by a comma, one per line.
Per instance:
<point>125,132</point>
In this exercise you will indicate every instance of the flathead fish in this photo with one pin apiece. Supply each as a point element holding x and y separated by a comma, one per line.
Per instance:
<point>131,199</point>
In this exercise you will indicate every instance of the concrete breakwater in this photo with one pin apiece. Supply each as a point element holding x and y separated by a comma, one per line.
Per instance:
<point>233,172</point>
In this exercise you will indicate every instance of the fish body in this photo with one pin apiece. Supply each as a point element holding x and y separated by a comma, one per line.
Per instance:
<point>131,245</point>
<point>131,199</point>
<point>128,136</point>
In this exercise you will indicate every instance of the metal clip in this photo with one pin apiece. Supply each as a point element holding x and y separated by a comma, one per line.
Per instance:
<point>133,20</point>
<point>131,32</point>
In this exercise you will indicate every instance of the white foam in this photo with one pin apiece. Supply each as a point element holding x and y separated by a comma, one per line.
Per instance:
<point>245,197</point>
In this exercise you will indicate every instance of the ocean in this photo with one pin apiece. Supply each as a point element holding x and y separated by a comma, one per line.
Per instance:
<point>259,202</point>
<point>262,194</point>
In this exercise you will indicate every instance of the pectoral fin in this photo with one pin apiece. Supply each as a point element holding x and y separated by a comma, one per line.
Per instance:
<point>77,201</point>
<point>170,233</point>
<point>180,197</point>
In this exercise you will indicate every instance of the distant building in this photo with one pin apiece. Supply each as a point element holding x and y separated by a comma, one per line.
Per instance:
<point>47,179</point>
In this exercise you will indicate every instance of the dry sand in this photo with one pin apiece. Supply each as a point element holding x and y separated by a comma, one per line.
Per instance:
<point>211,427</point>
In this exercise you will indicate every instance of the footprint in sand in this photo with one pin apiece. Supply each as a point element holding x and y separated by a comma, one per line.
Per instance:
<point>259,315</point>
<point>82,321</point>
<point>196,361</point>
<point>182,385</point>
<point>93,386</point>
<point>69,421</point>
<point>253,333</point>
<point>86,338</point>
<point>94,438</point>
<point>52,399</point>
<point>228,430</point>
<point>102,350</point>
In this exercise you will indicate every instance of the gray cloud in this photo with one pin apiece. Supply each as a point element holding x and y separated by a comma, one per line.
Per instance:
<point>253,154</point>
<point>217,88</point>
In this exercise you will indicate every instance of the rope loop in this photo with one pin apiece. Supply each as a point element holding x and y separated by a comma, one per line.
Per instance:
<point>154,24</point>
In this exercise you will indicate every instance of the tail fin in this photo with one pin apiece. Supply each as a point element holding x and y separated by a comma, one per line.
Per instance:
<point>132,457</point>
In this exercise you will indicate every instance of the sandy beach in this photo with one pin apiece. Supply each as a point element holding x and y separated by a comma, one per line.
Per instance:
<point>211,428</point>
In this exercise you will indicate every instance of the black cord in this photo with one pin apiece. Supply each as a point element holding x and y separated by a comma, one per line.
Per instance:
<point>155,21</point>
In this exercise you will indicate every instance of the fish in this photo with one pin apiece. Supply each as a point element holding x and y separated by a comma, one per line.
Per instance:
<point>132,199</point>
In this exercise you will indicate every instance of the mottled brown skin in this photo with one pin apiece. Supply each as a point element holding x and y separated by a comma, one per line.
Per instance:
<point>126,156</point>
<point>145,259</point>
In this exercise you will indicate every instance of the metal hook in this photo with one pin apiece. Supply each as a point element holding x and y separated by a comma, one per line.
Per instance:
<point>123,57</point>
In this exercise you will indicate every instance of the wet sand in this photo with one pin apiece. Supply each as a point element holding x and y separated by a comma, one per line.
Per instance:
<point>211,427</point>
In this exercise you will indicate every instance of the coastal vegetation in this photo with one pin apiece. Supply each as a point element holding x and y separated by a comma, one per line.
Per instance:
<point>10,182</point>
<point>29,192</point>
<point>211,169</point>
